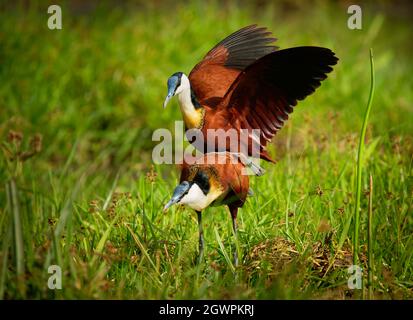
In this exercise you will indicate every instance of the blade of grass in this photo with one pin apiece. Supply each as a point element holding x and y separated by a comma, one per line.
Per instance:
<point>69,160</point>
<point>370,242</point>
<point>5,252</point>
<point>343,237</point>
<point>101,244</point>
<point>360,160</point>
<point>18,233</point>
<point>143,250</point>
<point>103,239</point>
<point>224,252</point>
<point>356,216</point>
<point>109,196</point>
<point>64,215</point>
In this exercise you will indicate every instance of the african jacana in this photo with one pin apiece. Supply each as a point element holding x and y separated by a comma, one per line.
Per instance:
<point>213,179</point>
<point>245,83</point>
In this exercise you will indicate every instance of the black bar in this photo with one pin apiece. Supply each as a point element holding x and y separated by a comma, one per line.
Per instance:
<point>203,309</point>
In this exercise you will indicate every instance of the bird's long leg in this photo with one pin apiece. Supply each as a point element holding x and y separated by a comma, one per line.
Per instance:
<point>234,212</point>
<point>235,227</point>
<point>201,236</point>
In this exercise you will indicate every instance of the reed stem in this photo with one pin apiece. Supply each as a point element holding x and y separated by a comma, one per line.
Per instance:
<point>360,164</point>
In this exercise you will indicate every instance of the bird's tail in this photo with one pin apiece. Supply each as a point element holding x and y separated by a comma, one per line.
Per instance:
<point>248,163</point>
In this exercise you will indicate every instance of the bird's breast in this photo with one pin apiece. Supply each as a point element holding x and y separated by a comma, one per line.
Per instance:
<point>194,119</point>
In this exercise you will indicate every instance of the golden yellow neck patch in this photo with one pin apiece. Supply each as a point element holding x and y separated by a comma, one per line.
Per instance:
<point>194,119</point>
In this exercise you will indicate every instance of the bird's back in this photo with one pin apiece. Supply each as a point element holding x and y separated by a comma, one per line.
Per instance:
<point>226,175</point>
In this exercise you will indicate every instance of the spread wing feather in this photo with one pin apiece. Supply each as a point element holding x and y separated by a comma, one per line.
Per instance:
<point>213,76</point>
<point>264,94</point>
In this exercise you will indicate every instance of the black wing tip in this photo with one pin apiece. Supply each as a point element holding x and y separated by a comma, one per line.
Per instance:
<point>326,57</point>
<point>333,59</point>
<point>330,56</point>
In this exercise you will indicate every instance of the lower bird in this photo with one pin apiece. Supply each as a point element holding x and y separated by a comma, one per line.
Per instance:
<point>213,179</point>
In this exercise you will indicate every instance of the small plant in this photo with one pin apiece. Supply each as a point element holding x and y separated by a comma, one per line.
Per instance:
<point>15,157</point>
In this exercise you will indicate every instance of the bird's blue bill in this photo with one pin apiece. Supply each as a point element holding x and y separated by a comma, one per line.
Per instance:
<point>168,97</point>
<point>179,192</point>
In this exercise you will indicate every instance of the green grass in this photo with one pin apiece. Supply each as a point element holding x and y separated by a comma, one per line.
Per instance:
<point>91,202</point>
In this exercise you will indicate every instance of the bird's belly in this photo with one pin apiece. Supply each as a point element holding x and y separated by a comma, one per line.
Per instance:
<point>220,200</point>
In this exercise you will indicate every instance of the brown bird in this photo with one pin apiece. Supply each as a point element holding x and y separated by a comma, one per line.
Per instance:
<point>213,179</point>
<point>244,82</point>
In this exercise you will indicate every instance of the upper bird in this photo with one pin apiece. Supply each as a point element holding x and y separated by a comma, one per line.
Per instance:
<point>244,82</point>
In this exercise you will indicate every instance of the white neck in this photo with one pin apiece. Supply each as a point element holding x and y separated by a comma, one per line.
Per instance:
<point>195,198</point>
<point>192,117</point>
<point>185,101</point>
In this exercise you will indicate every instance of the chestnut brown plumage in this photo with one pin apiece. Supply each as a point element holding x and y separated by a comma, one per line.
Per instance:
<point>244,82</point>
<point>213,179</point>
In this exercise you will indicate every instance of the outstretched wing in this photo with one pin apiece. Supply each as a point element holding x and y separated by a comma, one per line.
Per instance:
<point>264,94</point>
<point>213,76</point>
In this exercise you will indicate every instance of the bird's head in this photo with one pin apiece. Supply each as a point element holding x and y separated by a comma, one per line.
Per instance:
<point>179,192</point>
<point>194,194</point>
<point>177,83</point>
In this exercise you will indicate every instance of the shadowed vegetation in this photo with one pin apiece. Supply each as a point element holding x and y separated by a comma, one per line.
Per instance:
<point>78,188</point>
